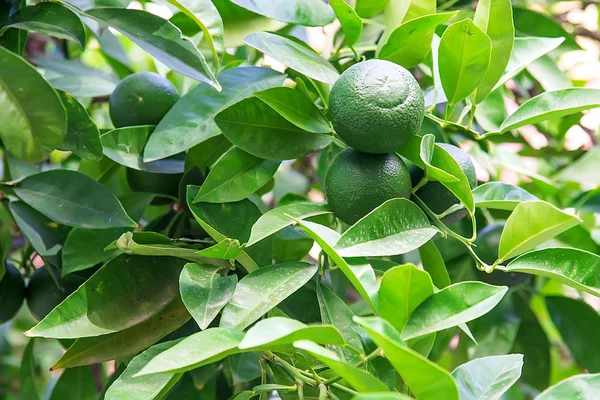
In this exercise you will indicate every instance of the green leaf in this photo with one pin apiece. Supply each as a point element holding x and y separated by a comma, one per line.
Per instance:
<point>125,292</point>
<point>205,154</point>
<point>171,137</point>
<point>409,44</point>
<point>206,16</point>
<point>28,390</point>
<point>464,57</point>
<point>358,378</point>
<point>488,378</point>
<point>235,176</point>
<point>497,330</point>
<point>75,384</point>
<point>205,292</point>
<point>577,323</point>
<point>126,387</point>
<point>576,268</point>
<point>194,351</point>
<point>294,55</point>
<point>126,343</point>
<point>226,249</point>
<point>271,333</point>
<point>301,12</point>
<point>552,105</point>
<point>532,23</point>
<point>454,305</point>
<point>260,291</point>
<point>280,217</point>
<point>369,8</point>
<point>352,25</point>
<point>256,128</point>
<point>382,396</point>
<point>584,170</point>
<point>401,291</point>
<point>494,17</point>
<point>73,199</point>
<point>34,121</point>
<point>126,145</point>
<point>426,380</point>
<point>83,137</point>
<point>525,51</point>
<point>395,227</point>
<point>50,19</point>
<point>358,271</point>
<point>500,196</point>
<point>434,265</point>
<point>335,312</point>
<point>160,38</point>
<point>295,107</point>
<point>531,224</point>
<point>584,386</point>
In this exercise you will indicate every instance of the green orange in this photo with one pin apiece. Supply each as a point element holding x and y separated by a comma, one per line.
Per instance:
<point>12,293</point>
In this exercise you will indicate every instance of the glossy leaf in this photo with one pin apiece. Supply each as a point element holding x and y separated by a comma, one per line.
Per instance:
<point>464,57</point>
<point>258,129</point>
<point>494,17</point>
<point>500,196</point>
<point>194,351</point>
<point>359,379</point>
<point>351,23</point>
<point>402,290</point>
<point>83,137</point>
<point>205,292</point>
<point>358,271</point>
<point>160,38</point>
<point>488,378</point>
<point>125,146</point>
<point>576,268</point>
<point>34,121</point>
<point>433,263</point>
<point>395,227</point>
<point>49,19</point>
<point>171,137</point>
<point>126,387</point>
<point>551,105</point>
<point>452,306</point>
<point>531,224</point>
<point>236,176</point>
<point>275,332</point>
<point>576,321</point>
<point>125,292</point>
<point>75,384</point>
<point>301,12</point>
<point>280,217</point>
<point>294,55</point>
<point>126,343</point>
<point>335,312</point>
<point>426,380</point>
<point>73,199</point>
<point>584,386</point>
<point>296,108</point>
<point>260,291</point>
<point>525,51</point>
<point>409,44</point>
<point>226,249</point>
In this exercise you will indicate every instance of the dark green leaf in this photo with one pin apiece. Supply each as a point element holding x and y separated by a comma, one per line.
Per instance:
<point>205,292</point>
<point>533,23</point>
<point>75,384</point>
<point>27,374</point>
<point>488,378</point>
<point>301,12</point>
<point>434,265</point>
<point>34,121</point>
<point>351,23</point>
<point>73,199</point>
<point>83,137</point>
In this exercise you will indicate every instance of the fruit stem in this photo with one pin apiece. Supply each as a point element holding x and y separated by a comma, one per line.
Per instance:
<point>421,183</point>
<point>471,116</point>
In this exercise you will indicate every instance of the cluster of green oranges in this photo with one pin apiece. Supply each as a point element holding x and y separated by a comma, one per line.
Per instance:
<point>377,106</point>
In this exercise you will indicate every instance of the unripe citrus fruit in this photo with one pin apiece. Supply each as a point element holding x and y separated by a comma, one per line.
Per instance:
<point>12,293</point>
<point>358,182</point>
<point>376,106</point>
<point>438,198</point>
<point>141,99</point>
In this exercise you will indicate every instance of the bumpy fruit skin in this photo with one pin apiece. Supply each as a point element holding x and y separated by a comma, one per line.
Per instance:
<point>376,106</point>
<point>142,98</point>
<point>12,293</point>
<point>438,198</point>
<point>43,295</point>
<point>358,182</point>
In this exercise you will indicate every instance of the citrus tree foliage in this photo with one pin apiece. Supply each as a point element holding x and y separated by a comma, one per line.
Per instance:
<point>165,189</point>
